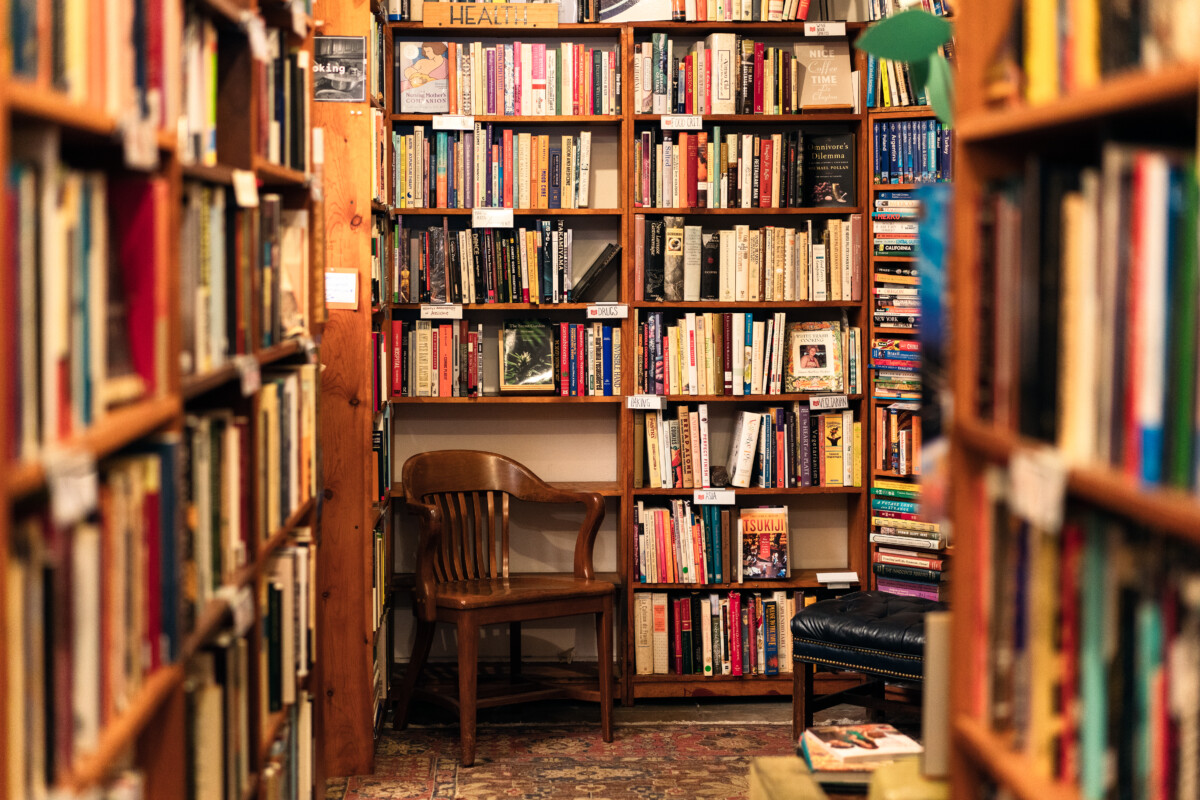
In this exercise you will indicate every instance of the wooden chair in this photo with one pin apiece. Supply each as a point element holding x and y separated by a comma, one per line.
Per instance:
<point>461,498</point>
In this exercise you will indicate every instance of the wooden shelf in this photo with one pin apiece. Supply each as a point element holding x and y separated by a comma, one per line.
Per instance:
<point>46,104</point>
<point>715,305</point>
<point>807,579</point>
<point>524,119</point>
<point>888,474</point>
<point>1170,510</point>
<point>1137,95</point>
<point>809,210</point>
<point>756,491</point>
<point>791,27</point>
<point>749,398</point>
<point>404,581</point>
<point>520,212</point>
<point>902,187</point>
<point>816,115</point>
<point>503,306</point>
<point>605,488</point>
<point>995,756</point>
<point>568,28</point>
<point>208,173</point>
<point>647,686</point>
<point>226,10</point>
<point>115,430</point>
<point>902,112</point>
<point>277,175</point>
<point>195,385</point>
<point>381,208</point>
<point>506,399</point>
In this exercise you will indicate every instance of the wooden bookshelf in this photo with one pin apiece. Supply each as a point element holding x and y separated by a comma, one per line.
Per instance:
<point>152,730</point>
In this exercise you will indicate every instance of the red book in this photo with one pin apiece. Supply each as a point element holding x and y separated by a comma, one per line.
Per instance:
<point>685,624</point>
<point>581,360</point>
<point>802,10</point>
<point>137,210</point>
<point>564,367</point>
<point>677,633</point>
<point>689,180</point>
<point>507,155</point>
<point>752,629</point>
<point>735,633</point>
<point>689,83</point>
<point>781,451</point>
<point>472,369</point>
<point>708,90</point>
<point>727,342</point>
<point>518,100</point>
<point>397,357</point>
<point>765,171</point>
<point>758,77</point>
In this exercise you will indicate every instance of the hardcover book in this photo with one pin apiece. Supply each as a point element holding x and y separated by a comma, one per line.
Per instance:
<point>824,69</point>
<point>829,170</point>
<point>860,744</point>
<point>527,356</point>
<point>764,543</point>
<point>814,357</point>
<point>424,78</point>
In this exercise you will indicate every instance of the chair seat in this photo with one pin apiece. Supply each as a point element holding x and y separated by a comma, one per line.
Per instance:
<point>874,632</point>
<point>487,592</point>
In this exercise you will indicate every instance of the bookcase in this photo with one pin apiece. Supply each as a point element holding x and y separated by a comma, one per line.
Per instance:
<point>1073,501</point>
<point>159,528</point>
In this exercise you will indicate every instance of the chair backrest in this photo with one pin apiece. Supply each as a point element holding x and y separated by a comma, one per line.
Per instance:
<point>471,489</point>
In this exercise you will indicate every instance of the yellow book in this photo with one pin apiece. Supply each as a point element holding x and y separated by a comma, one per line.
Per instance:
<point>897,486</point>
<point>857,466</point>
<point>1041,51</point>
<point>831,436</point>
<point>1084,27</point>
<point>883,83</point>
<point>652,449</point>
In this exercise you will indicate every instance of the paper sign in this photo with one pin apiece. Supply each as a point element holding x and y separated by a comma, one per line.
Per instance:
<point>608,311</point>
<point>453,122</point>
<point>491,218</point>
<point>837,577</point>
<point>140,139</point>
<point>645,402</point>
<point>485,15</point>
<point>250,373</point>
<point>825,29</point>
<point>72,482</point>
<point>441,311</point>
<point>341,289</point>
<point>828,402</point>
<point>713,497</point>
<point>682,122</point>
<point>245,188</point>
<point>1037,487</point>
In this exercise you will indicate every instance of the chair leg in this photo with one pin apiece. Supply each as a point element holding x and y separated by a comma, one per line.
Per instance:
<point>468,668</point>
<point>514,651</point>
<point>604,647</point>
<point>802,698</point>
<point>420,652</point>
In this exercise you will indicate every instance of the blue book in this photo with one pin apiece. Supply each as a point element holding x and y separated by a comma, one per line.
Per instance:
<point>608,360</point>
<point>718,549</point>
<point>885,151</point>
<point>872,78</point>
<point>909,152</point>
<point>893,157</point>
<point>876,140</point>
<point>770,637</point>
<point>746,373</point>
<point>947,161</point>
<point>895,355</point>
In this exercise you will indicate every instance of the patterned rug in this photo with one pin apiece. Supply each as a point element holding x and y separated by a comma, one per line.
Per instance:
<point>568,762</point>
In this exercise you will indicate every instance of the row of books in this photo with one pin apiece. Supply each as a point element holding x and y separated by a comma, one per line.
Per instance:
<point>381,183</point>
<point>896,367</point>
<point>381,573</point>
<point>726,73</point>
<point>743,170</point>
<point>880,9</point>
<point>570,11</point>
<point>889,82</point>
<point>491,168</point>
<point>93,608</point>
<point>284,103</point>
<point>76,354</point>
<point>895,223</point>
<point>199,84</point>
<point>376,68</point>
<point>381,437</point>
<point>287,773</point>
<point>898,438</point>
<point>522,79</point>
<point>897,522</point>
<point>704,544</point>
<point>817,259</point>
<point>913,151</point>
<point>736,634</point>
<point>909,573</point>
<point>1102,358</point>
<point>288,605</point>
<point>737,10</point>
<point>733,353</point>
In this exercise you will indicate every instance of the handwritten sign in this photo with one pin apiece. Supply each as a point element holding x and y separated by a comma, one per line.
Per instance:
<point>441,311</point>
<point>490,217</point>
<point>645,402</point>
<point>828,402</point>
<point>608,311</point>
<point>714,497</point>
<point>341,289</point>
<point>491,15</point>
<point>453,122</point>
<point>825,29</point>
<point>824,74</point>
<point>682,122</point>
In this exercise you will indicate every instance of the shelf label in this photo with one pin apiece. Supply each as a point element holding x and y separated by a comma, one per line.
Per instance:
<point>250,373</point>
<point>828,402</point>
<point>645,402</point>
<point>825,29</point>
<point>140,140</point>
<point>241,605</point>
<point>245,188</point>
<point>256,32</point>
<point>714,497</point>
<point>608,311</point>
<point>491,15</point>
<point>1037,487</point>
<point>837,577</point>
<point>441,311</point>
<point>341,289</point>
<point>453,122</point>
<point>682,122</point>
<point>72,482</point>
<point>491,217</point>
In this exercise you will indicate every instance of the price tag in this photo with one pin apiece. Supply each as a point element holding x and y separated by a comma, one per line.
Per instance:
<point>453,122</point>
<point>441,311</point>
<point>713,497</point>
<point>72,482</point>
<point>140,141</point>
<point>245,188</point>
<point>825,29</point>
<point>645,402</point>
<point>491,218</point>
<point>1037,487</point>
<point>682,122</point>
<point>828,402</point>
<point>250,373</point>
<point>256,33</point>
<point>608,311</point>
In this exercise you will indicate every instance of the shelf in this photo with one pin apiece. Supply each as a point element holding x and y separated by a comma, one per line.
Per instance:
<point>903,187</point>
<point>380,207</point>
<point>604,488</point>
<point>115,430</point>
<point>807,579</point>
<point>790,27</point>
<point>1172,511</point>
<point>208,173</point>
<point>755,491</point>
<point>227,10</point>
<point>503,399</point>
<point>1014,771</point>
<point>646,686</point>
<point>897,331</point>
<point>750,398</point>
<point>1135,95</point>
<point>745,305</point>
<point>503,306</point>
<point>45,104</point>
<point>810,210</point>
<point>491,30</point>
<point>822,115</point>
<point>195,385</point>
<point>520,212</point>
<point>277,175</point>
<point>525,119</point>
<point>902,112</point>
<point>883,473</point>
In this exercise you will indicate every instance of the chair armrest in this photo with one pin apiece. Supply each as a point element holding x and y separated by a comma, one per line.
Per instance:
<point>585,540</point>
<point>430,518</point>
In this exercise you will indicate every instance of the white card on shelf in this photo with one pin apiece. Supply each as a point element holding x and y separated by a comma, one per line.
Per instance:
<point>341,288</point>
<point>608,311</point>
<point>645,402</point>
<point>714,497</point>
<point>256,33</point>
<point>491,218</point>
<point>837,577</point>
<point>682,122</point>
<point>140,140</point>
<point>245,188</point>
<point>824,29</point>
<point>441,311</point>
<point>453,122</point>
<point>828,402</point>
<point>250,374</point>
<point>73,485</point>
<point>1037,480</point>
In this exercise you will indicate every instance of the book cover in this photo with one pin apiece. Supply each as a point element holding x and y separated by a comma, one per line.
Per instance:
<point>829,177</point>
<point>860,744</point>
<point>424,78</point>
<point>764,543</point>
<point>814,357</point>
<point>527,356</point>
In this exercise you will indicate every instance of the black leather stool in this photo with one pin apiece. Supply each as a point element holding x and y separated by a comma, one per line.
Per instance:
<point>875,633</point>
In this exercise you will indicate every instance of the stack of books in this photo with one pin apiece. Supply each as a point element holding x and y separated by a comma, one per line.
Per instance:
<point>904,559</point>
<point>896,365</point>
<point>846,755</point>
<point>894,225</point>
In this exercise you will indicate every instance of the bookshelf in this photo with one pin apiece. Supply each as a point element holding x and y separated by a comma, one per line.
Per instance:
<point>154,597</point>
<point>1124,508</point>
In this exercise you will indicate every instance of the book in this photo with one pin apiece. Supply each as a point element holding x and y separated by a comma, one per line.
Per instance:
<point>424,78</point>
<point>814,357</point>
<point>764,542</point>
<point>860,744</point>
<point>829,177</point>
<point>526,350</point>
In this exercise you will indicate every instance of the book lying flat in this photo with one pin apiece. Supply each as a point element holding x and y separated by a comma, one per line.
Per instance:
<point>860,744</point>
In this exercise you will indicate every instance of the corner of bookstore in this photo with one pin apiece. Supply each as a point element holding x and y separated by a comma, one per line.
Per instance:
<point>759,399</point>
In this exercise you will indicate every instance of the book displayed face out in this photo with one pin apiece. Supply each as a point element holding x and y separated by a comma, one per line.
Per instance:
<point>527,356</point>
